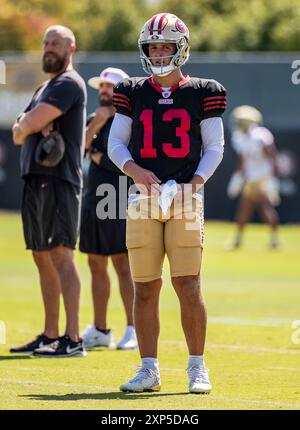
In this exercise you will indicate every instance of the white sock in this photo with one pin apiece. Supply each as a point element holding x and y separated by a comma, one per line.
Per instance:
<point>238,237</point>
<point>196,360</point>
<point>150,363</point>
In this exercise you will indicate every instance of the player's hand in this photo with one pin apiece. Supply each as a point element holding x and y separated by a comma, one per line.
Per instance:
<point>47,130</point>
<point>143,178</point>
<point>96,157</point>
<point>102,114</point>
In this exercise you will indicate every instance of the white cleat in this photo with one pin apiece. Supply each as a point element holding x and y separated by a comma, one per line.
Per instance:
<point>129,340</point>
<point>145,380</point>
<point>92,338</point>
<point>199,380</point>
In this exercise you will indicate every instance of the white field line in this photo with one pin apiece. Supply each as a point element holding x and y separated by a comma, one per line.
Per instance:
<point>31,369</point>
<point>242,348</point>
<point>107,389</point>
<point>290,369</point>
<point>162,369</point>
<point>55,384</point>
<point>272,322</point>
<point>255,323</point>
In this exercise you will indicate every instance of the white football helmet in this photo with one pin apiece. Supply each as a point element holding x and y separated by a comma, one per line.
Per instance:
<point>164,28</point>
<point>245,116</point>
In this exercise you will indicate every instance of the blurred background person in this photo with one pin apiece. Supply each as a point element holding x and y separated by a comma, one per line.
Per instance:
<point>255,179</point>
<point>101,238</point>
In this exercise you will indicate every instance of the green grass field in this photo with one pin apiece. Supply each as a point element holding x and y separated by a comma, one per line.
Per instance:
<point>253,296</point>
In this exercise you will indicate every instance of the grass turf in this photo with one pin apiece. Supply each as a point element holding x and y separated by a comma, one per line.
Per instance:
<point>253,296</point>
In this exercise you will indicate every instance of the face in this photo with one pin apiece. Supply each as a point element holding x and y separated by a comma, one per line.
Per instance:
<point>244,125</point>
<point>161,53</point>
<point>57,52</point>
<point>105,94</point>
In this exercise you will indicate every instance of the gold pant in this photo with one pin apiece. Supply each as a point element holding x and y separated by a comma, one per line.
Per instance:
<point>150,234</point>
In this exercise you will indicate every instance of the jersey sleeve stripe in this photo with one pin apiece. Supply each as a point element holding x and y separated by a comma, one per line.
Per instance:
<point>214,98</point>
<point>214,103</point>
<point>117,103</point>
<point>117,99</point>
<point>122,96</point>
<point>215,107</point>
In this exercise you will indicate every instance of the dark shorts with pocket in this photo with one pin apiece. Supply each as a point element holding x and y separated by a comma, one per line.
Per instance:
<point>50,212</point>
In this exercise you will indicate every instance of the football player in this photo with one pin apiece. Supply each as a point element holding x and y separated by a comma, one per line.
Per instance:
<point>257,169</point>
<point>168,127</point>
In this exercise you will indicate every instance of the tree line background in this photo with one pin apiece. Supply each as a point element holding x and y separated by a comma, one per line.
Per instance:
<point>114,25</point>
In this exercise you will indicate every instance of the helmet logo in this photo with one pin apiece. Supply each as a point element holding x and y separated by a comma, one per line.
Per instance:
<point>180,26</point>
<point>158,23</point>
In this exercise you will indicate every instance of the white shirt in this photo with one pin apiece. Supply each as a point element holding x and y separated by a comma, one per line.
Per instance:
<point>250,146</point>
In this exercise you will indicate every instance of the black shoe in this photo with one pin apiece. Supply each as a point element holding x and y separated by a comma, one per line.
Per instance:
<point>62,347</point>
<point>40,341</point>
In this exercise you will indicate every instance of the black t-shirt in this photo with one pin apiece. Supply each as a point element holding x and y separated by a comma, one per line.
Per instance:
<point>166,135</point>
<point>66,92</point>
<point>99,144</point>
<point>104,173</point>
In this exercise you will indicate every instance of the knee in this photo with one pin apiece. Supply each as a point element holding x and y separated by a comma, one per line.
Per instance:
<point>41,259</point>
<point>146,292</point>
<point>62,258</point>
<point>187,287</point>
<point>121,264</point>
<point>97,264</point>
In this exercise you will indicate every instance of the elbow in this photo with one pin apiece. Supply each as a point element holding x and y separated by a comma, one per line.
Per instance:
<point>17,138</point>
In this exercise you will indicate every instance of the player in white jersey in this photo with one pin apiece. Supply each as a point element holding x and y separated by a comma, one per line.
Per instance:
<point>255,177</point>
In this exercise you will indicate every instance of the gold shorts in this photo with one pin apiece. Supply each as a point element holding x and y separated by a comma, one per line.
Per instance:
<point>179,234</point>
<point>263,187</point>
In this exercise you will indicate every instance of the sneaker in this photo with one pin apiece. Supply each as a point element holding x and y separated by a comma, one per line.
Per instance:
<point>233,244</point>
<point>62,347</point>
<point>274,243</point>
<point>199,380</point>
<point>93,337</point>
<point>145,380</point>
<point>40,341</point>
<point>129,340</point>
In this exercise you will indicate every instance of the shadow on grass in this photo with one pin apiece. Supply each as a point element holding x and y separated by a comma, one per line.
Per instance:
<point>16,357</point>
<point>99,396</point>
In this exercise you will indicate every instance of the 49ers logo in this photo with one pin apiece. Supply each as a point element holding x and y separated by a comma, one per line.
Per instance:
<point>180,26</point>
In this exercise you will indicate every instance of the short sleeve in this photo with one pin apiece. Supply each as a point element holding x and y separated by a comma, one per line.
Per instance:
<point>214,100</point>
<point>62,94</point>
<point>264,135</point>
<point>122,97</point>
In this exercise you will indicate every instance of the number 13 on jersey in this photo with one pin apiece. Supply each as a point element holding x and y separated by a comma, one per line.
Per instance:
<point>149,151</point>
